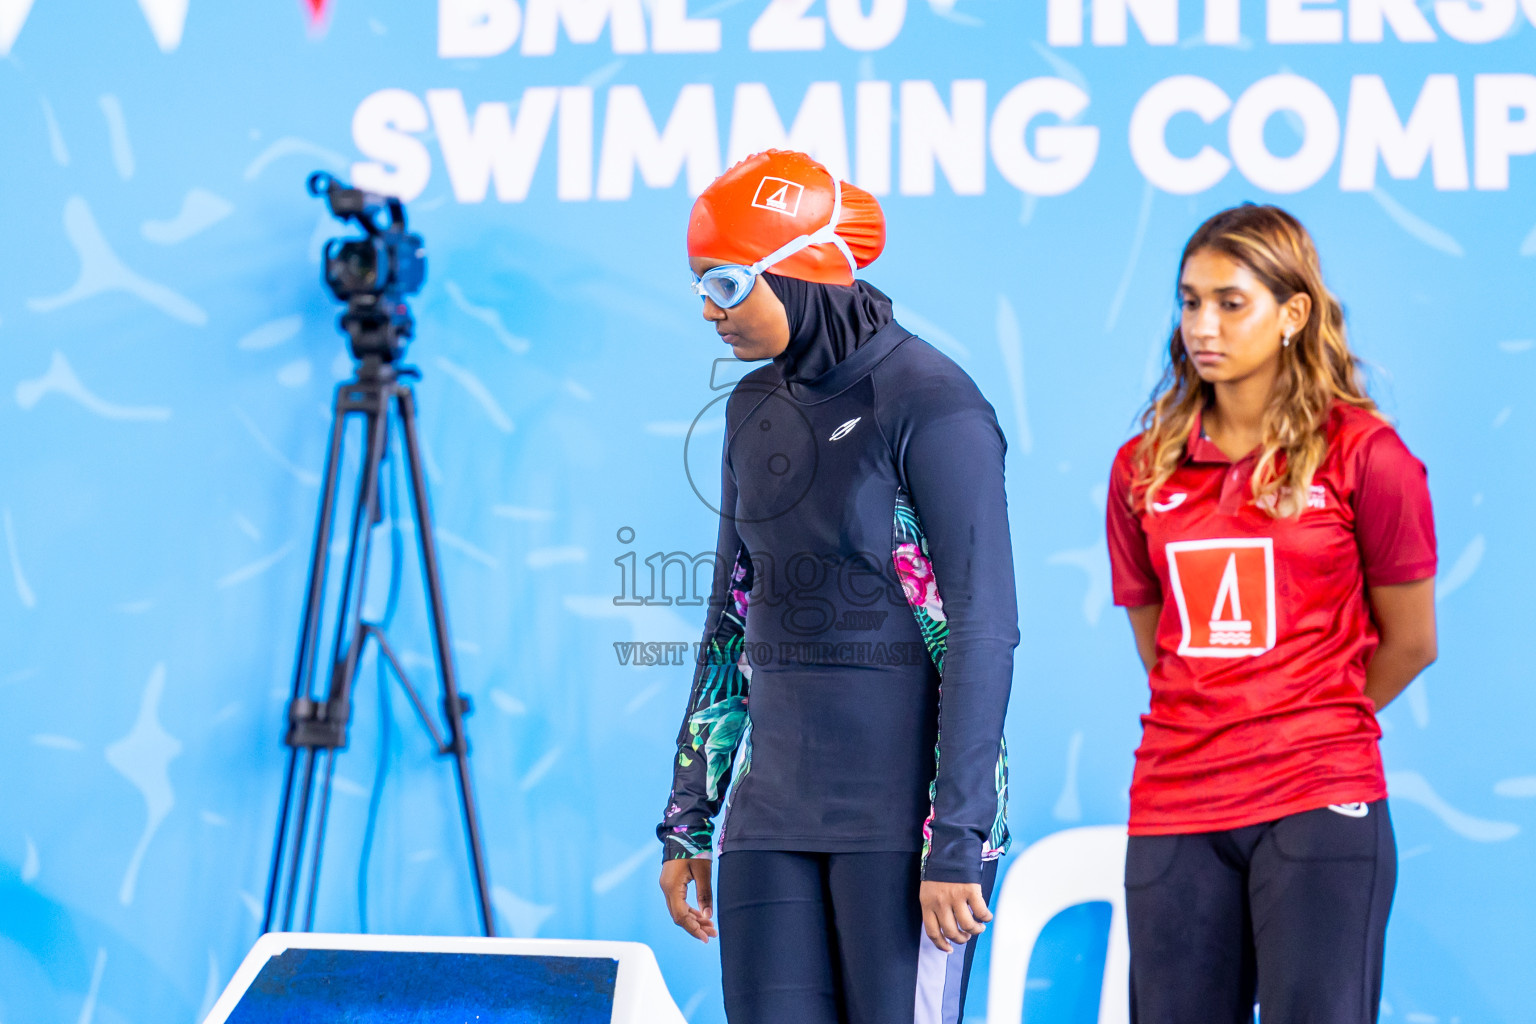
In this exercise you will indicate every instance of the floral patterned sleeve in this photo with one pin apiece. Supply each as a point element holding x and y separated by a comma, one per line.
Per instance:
<point>715,722</point>
<point>952,453</point>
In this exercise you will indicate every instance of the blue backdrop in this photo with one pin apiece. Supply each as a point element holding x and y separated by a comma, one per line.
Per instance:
<point>167,356</point>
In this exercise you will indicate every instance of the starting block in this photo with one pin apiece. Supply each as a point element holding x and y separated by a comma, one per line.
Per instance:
<point>308,978</point>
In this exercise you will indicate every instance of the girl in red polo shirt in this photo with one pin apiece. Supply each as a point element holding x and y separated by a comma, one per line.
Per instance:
<point>1272,540</point>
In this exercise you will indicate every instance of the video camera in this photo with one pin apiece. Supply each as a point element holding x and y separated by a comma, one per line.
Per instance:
<point>372,274</point>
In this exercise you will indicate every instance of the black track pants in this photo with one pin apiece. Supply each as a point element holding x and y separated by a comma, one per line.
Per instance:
<point>1290,913</point>
<point>833,938</point>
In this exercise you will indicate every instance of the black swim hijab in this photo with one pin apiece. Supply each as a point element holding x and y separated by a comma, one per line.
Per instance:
<point>827,322</point>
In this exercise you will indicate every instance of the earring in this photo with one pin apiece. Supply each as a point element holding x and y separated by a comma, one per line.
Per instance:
<point>1285,341</point>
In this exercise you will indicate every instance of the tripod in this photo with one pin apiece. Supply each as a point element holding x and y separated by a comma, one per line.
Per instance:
<point>317,728</point>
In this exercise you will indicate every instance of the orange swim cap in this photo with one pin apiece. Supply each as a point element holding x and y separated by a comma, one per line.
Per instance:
<point>774,198</point>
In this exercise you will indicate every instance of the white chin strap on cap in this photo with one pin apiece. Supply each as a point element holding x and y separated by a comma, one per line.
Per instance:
<point>823,234</point>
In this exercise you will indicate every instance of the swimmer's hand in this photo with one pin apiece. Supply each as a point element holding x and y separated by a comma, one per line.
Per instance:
<point>696,921</point>
<point>953,912</point>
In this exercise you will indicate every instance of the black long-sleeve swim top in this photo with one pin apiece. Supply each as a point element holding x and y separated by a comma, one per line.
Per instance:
<point>858,645</point>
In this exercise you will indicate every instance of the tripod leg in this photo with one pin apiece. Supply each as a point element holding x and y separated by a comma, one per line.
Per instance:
<point>282,834</point>
<point>297,854</point>
<point>308,633</point>
<point>453,708</point>
<point>351,630</point>
<point>314,865</point>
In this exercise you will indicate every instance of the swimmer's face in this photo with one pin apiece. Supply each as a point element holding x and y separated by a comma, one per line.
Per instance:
<point>756,327</point>
<point>1231,323</point>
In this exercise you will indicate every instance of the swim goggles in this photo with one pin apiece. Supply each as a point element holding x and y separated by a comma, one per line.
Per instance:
<point>729,284</point>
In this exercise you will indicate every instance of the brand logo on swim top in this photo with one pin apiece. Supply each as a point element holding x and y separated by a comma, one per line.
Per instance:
<point>778,195</point>
<point>1354,810</point>
<point>1173,502</point>
<point>1225,591</point>
<point>843,430</point>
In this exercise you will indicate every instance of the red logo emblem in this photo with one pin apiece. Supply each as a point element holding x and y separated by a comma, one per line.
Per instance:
<point>1225,590</point>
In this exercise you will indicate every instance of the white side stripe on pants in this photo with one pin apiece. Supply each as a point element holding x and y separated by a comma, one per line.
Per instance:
<point>938,982</point>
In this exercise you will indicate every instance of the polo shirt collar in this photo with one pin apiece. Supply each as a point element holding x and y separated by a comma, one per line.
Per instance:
<point>1198,447</point>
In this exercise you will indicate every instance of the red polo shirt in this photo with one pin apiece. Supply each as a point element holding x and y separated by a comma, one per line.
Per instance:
<point>1258,705</point>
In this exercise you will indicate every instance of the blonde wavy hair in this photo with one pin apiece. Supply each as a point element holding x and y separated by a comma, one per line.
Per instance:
<point>1316,369</point>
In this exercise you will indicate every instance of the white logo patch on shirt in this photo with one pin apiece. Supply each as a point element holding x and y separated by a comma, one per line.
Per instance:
<point>1173,502</point>
<point>778,195</point>
<point>1317,496</point>
<point>1225,591</point>
<point>844,429</point>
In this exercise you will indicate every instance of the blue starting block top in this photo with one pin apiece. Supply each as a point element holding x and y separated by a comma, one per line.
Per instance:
<point>291,978</point>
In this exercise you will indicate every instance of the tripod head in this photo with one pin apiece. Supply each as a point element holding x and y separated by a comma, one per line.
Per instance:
<point>373,274</point>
